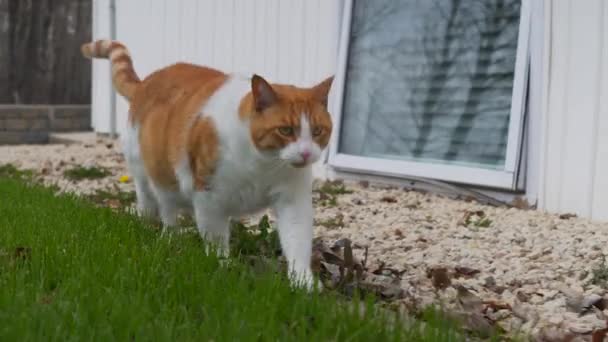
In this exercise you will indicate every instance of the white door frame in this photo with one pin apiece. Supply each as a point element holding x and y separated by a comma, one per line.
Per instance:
<point>504,179</point>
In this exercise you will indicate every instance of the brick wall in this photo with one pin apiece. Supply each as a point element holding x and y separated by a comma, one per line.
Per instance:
<point>23,124</point>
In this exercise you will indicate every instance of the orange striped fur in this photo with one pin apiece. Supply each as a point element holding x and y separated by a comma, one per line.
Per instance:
<point>124,77</point>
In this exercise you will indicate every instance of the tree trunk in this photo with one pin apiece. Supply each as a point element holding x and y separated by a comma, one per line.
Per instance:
<point>40,61</point>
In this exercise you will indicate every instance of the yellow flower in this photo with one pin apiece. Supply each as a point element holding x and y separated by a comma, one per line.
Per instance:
<point>124,179</point>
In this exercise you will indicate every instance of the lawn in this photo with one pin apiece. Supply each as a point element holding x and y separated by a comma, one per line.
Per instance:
<point>72,271</point>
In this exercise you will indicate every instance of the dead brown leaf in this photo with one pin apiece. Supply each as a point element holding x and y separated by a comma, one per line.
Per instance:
<point>388,199</point>
<point>46,168</point>
<point>495,306</point>
<point>466,272</point>
<point>468,215</point>
<point>379,269</point>
<point>113,203</point>
<point>22,253</point>
<point>520,202</point>
<point>599,335</point>
<point>567,216</point>
<point>439,277</point>
<point>340,270</point>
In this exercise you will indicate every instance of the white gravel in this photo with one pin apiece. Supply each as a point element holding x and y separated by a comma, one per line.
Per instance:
<point>537,263</point>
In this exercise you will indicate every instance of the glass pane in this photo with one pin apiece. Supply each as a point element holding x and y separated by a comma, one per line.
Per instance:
<point>430,80</point>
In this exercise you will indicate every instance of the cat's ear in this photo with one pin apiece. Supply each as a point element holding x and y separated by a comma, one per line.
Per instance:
<point>263,94</point>
<point>321,90</point>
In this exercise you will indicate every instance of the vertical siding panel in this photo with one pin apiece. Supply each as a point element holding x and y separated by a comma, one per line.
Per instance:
<point>157,20</point>
<point>283,41</point>
<point>558,100</point>
<point>296,41</point>
<point>240,41</point>
<point>259,29</point>
<point>577,158</point>
<point>101,85</point>
<point>171,30</point>
<point>312,24</point>
<point>249,49</point>
<point>222,47</point>
<point>600,194</point>
<point>147,53</point>
<point>271,62</point>
<point>205,31</point>
<point>188,35</point>
<point>330,23</point>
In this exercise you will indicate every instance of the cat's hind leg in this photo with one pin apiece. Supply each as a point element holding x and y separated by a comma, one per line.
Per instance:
<point>169,206</point>
<point>147,205</point>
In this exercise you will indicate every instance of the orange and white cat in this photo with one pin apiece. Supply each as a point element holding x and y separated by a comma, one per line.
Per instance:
<point>223,146</point>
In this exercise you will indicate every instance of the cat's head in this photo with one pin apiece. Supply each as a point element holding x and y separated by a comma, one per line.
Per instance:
<point>288,123</point>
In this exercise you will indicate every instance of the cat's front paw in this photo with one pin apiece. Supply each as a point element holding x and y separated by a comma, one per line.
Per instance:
<point>307,281</point>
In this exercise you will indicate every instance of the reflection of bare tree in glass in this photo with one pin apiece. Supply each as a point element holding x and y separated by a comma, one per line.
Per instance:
<point>488,52</point>
<point>427,77</point>
<point>470,28</point>
<point>440,64</point>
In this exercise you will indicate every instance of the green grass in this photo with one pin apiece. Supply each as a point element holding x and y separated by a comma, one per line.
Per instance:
<point>10,171</point>
<point>116,198</point>
<point>329,191</point>
<point>71,271</point>
<point>334,188</point>
<point>600,274</point>
<point>79,173</point>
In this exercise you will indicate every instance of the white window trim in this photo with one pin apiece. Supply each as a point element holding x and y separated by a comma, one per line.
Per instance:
<point>505,179</point>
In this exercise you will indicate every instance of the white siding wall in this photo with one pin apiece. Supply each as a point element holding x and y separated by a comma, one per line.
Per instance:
<point>296,41</point>
<point>574,166</point>
<point>101,85</point>
<point>287,41</point>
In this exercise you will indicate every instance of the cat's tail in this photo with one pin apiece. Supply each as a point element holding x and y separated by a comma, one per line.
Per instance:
<point>123,75</point>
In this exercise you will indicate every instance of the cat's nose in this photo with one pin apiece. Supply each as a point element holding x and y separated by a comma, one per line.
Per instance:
<point>305,155</point>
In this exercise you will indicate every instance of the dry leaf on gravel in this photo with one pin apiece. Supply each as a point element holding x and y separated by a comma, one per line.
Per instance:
<point>469,216</point>
<point>388,199</point>
<point>600,335</point>
<point>439,277</point>
<point>567,216</point>
<point>339,269</point>
<point>465,272</point>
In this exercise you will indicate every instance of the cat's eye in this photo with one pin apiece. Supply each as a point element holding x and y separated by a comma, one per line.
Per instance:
<point>286,130</point>
<point>317,131</point>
